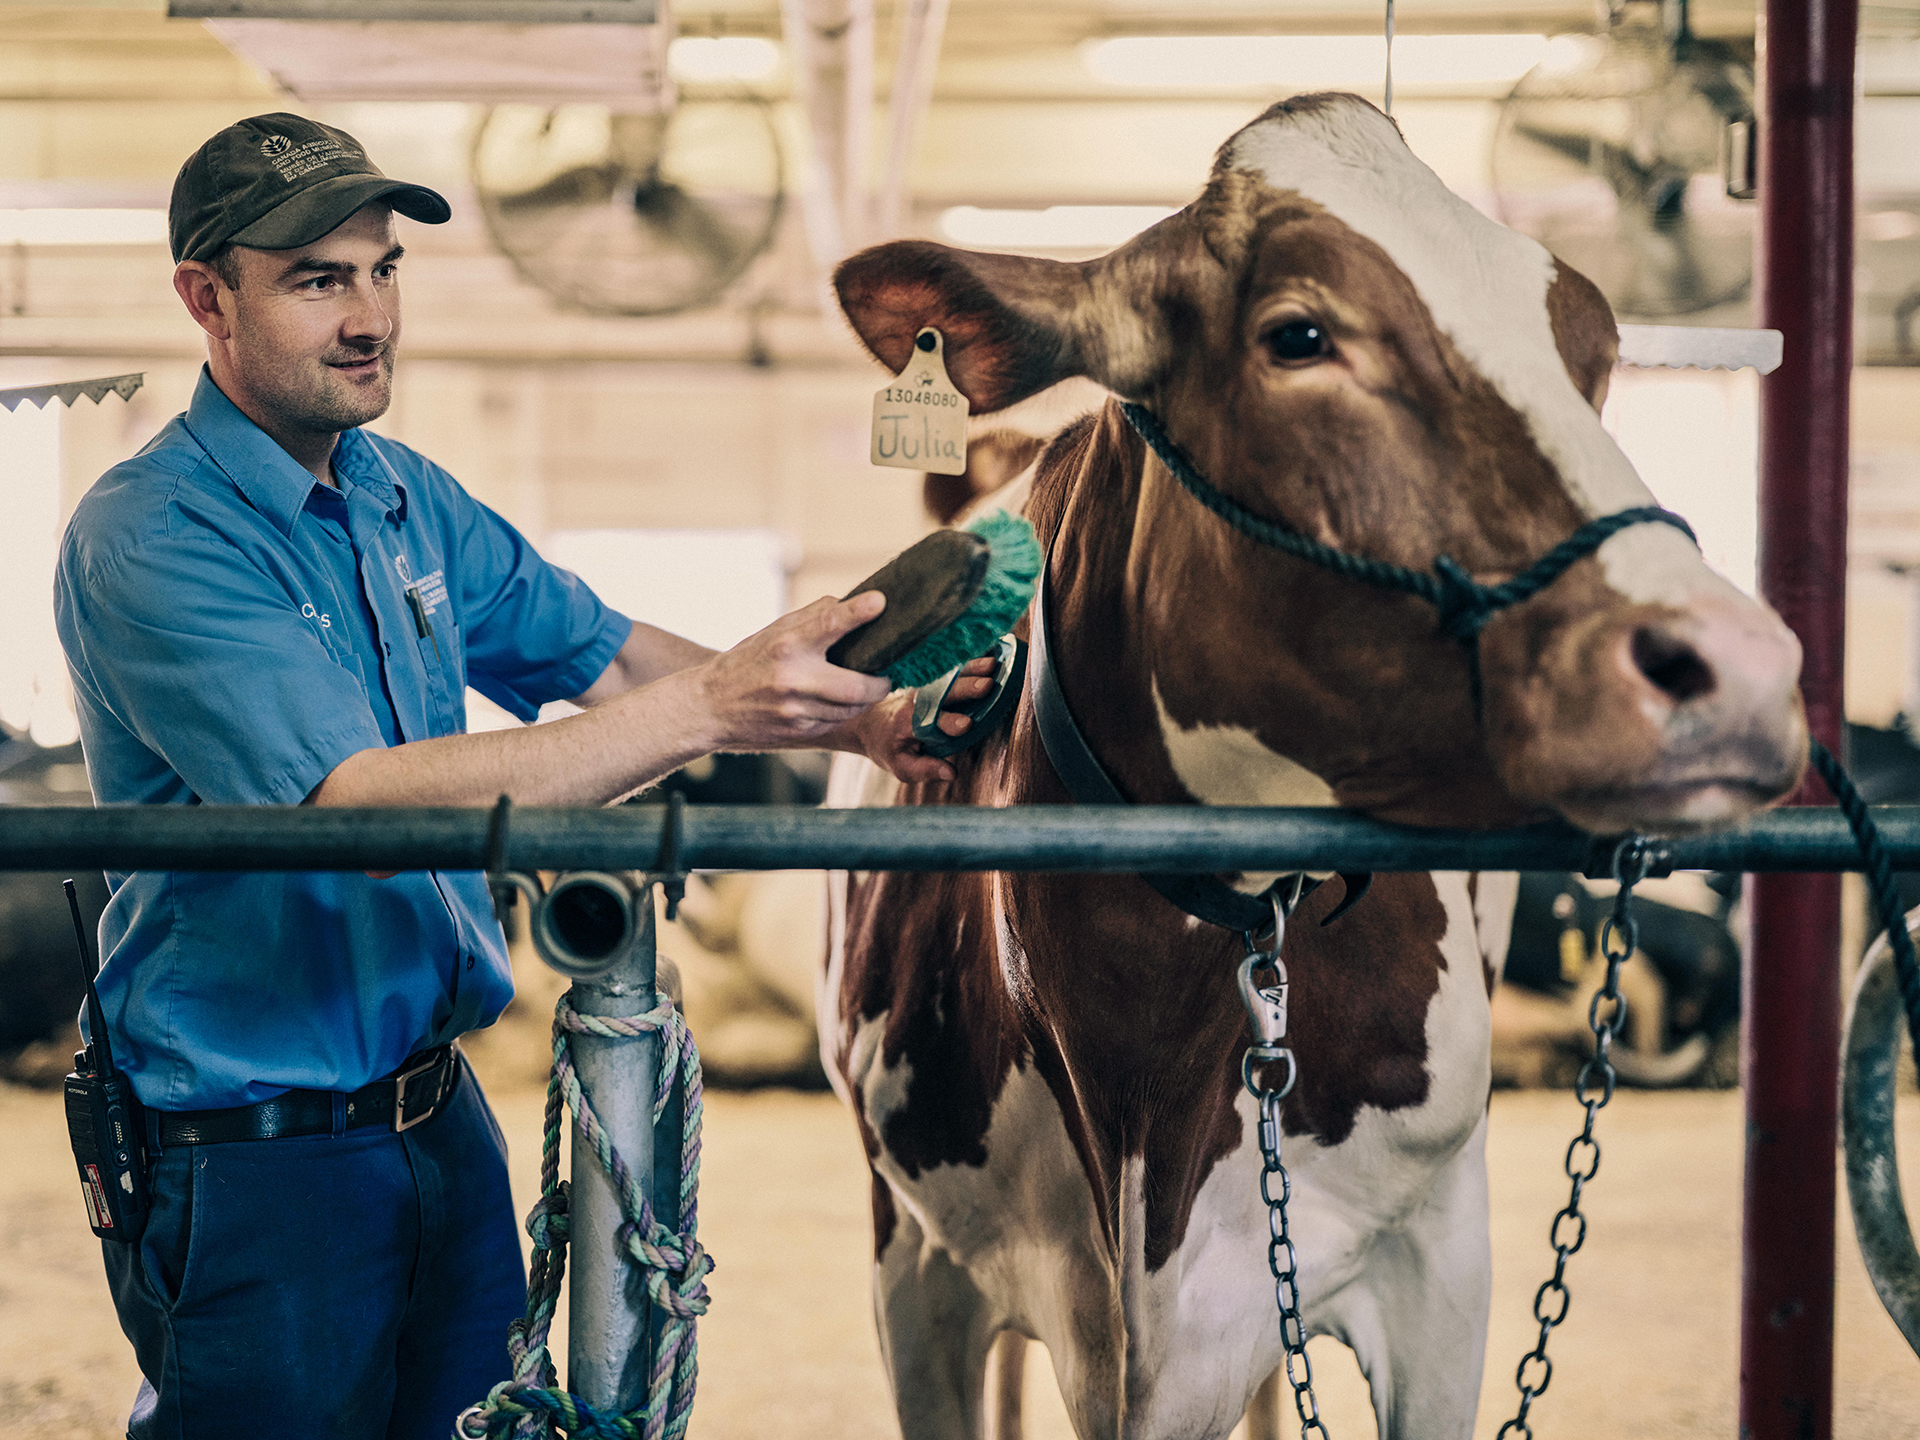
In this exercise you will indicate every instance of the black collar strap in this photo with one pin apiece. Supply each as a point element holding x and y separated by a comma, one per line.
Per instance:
<point>1206,897</point>
<point>1465,606</point>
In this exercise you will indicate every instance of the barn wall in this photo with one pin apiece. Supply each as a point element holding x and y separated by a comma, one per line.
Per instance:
<point>563,421</point>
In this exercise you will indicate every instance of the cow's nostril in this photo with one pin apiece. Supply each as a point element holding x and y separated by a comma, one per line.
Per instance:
<point>1674,666</point>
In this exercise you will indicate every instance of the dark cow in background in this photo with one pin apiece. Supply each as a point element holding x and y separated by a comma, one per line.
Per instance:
<point>40,983</point>
<point>1046,1069</point>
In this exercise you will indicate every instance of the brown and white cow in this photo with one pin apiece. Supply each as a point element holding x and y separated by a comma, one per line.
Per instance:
<point>1045,1069</point>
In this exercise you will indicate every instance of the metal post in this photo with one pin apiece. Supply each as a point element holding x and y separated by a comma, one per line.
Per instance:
<point>1792,988</point>
<point>607,1314</point>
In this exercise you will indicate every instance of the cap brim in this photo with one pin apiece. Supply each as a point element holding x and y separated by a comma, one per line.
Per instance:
<point>321,209</point>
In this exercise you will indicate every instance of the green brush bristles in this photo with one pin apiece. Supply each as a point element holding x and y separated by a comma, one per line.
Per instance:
<point>1013,569</point>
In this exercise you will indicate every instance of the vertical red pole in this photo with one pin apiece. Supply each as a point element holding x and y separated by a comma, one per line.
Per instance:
<point>1792,1041</point>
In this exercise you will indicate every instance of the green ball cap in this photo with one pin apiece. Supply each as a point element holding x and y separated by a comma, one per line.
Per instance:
<point>275,182</point>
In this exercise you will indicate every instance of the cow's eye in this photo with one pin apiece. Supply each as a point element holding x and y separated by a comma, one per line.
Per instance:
<point>1294,341</point>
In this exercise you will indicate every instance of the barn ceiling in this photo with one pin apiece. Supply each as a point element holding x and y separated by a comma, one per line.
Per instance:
<point>89,51</point>
<point>99,102</point>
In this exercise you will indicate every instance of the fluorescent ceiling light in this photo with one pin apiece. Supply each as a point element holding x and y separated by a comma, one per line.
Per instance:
<point>1058,227</point>
<point>706,59</point>
<point>83,227</point>
<point>1310,62</point>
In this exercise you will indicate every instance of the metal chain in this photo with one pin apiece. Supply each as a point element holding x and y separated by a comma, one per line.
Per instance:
<point>1606,1014</point>
<point>1267,1009</point>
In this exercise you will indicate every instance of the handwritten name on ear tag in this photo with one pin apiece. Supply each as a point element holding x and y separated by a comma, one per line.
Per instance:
<point>920,420</point>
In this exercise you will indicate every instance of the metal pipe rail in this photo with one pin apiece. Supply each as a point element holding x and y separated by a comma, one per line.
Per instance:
<point>1063,838</point>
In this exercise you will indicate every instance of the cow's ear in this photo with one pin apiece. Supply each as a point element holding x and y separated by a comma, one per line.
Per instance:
<point>1006,320</point>
<point>1583,331</point>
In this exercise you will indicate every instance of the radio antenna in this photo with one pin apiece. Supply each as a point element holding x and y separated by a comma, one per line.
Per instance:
<point>96,1017</point>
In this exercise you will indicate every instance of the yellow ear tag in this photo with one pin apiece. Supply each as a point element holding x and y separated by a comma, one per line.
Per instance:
<point>920,420</point>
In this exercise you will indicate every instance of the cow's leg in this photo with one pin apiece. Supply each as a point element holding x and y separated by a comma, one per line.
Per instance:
<point>1417,1319</point>
<point>936,1331</point>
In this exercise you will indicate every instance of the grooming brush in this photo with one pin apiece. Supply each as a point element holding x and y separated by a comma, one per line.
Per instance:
<point>949,598</point>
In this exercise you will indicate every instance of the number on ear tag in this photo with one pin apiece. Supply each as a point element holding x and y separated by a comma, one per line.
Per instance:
<point>920,419</point>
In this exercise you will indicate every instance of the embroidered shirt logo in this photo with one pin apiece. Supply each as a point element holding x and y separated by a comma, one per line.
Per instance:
<point>429,592</point>
<point>432,591</point>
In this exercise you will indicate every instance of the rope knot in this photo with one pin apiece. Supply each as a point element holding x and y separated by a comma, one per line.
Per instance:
<point>530,1406</point>
<point>1465,606</point>
<point>547,1221</point>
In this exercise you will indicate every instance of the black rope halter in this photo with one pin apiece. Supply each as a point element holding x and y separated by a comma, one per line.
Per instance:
<point>1464,604</point>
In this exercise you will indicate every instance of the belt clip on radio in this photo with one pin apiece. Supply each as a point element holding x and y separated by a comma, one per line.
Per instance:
<point>103,1119</point>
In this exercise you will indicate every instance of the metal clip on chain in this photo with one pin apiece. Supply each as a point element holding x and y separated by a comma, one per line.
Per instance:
<point>1619,938</point>
<point>1267,1010</point>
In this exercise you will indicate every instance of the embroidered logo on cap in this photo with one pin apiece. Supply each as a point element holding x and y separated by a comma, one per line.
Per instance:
<point>292,161</point>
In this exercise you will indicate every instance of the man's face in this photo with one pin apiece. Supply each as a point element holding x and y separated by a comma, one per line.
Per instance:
<point>315,329</point>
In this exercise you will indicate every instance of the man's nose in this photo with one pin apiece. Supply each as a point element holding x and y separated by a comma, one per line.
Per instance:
<point>371,317</point>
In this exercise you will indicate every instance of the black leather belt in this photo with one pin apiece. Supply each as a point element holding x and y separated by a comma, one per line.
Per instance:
<point>398,1101</point>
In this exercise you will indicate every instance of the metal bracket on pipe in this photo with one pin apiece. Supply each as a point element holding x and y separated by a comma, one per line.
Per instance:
<point>1600,858</point>
<point>503,884</point>
<point>670,873</point>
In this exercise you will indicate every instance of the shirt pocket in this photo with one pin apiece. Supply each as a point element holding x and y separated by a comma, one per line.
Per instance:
<point>437,631</point>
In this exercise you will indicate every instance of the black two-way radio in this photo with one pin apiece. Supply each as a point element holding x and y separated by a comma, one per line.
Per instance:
<point>104,1122</point>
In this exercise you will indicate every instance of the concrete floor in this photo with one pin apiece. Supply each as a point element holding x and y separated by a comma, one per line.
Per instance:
<point>1649,1352</point>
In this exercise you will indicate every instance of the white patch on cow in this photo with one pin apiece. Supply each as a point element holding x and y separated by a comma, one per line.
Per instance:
<point>1229,765</point>
<point>855,782</point>
<point>852,782</point>
<point>1486,288</point>
<point>1022,1228</point>
<point>1494,894</point>
<point>1391,1230</point>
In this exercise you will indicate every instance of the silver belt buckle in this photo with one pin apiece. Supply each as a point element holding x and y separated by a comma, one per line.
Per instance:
<point>400,1122</point>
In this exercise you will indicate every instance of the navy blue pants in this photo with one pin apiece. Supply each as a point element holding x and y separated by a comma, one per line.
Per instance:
<point>339,1287</point>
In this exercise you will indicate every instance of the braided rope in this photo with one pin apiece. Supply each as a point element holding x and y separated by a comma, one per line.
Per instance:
<point>1879,869</point>
<point>1464,604</point>
<point>530,1405</point>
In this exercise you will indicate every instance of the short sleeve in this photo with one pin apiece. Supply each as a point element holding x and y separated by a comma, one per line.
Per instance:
<point>534,632</point>
<point>210,663</point>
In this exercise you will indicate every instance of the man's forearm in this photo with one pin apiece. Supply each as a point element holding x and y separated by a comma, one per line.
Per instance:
<point>773,691</point>
<point>649,654</point>
<point>618,746</point>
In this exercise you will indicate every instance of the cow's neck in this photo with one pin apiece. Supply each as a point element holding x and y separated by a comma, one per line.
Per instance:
<point>1098,967</point>
<point>1113,639</point>
<point>1205,667</point>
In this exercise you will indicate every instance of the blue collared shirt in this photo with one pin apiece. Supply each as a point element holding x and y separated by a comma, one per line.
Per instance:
<point>235,629</point>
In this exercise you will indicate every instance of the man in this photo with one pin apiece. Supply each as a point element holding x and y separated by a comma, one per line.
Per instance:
<point>269,605</point>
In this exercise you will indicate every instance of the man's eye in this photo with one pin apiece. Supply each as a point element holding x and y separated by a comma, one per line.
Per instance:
<point>1298,340</point>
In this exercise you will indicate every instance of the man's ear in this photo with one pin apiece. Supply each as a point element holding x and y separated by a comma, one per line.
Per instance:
<point>1012,325</point>
<point>202,291</point>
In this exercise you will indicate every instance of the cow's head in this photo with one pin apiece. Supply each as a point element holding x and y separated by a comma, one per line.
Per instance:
<point>1341,343</point>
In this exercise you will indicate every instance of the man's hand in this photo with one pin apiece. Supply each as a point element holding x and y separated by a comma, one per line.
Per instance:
<point>775,690</point>
<point>884,734</point>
